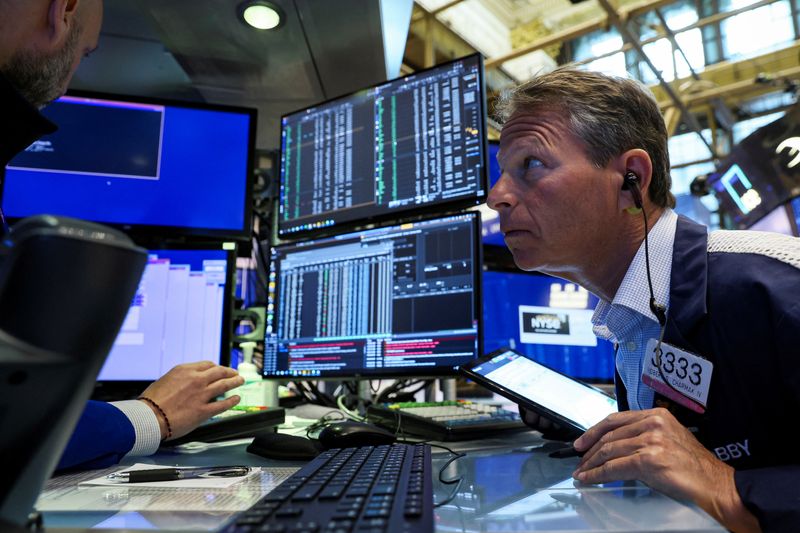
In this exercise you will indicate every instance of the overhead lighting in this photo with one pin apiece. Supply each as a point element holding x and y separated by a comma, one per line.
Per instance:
<point>261,15</point>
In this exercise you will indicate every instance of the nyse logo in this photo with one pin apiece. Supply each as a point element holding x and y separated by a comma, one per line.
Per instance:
<point>547,323</point>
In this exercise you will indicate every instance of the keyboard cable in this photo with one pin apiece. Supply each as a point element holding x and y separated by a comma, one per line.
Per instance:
<point>456,455</point>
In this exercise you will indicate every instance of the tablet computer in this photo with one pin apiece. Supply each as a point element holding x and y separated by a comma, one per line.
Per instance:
<point>541,389</point>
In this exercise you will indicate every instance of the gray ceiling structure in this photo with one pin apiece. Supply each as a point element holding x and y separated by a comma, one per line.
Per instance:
<point>200,50</point>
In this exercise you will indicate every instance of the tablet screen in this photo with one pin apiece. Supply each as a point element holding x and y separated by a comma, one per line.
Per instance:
<point>558,393</point>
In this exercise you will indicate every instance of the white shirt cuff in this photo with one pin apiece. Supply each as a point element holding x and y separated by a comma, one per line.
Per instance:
<point>145,426</point>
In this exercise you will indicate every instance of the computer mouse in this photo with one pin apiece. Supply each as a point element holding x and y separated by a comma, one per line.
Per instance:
<point>284,447</point>
<point>350,434</point>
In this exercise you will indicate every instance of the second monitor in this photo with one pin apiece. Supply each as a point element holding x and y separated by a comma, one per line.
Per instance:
<point>388,302</point>
<point>406,144</point>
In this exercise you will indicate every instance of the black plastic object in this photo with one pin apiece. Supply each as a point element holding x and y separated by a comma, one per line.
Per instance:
<point>65,289</point>
<point>284,447</point>
<point>349,434</point>
<point>234,426</point>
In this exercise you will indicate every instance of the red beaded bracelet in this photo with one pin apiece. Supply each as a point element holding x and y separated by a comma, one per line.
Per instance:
<point>161,412</point>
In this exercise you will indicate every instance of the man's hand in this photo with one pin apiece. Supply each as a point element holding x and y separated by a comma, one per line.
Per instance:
<point>187,395</point>
<point>653,447</point>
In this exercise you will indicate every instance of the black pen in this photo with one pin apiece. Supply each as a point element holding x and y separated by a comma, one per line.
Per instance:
<point>563,453</point>
<point>173,474</point>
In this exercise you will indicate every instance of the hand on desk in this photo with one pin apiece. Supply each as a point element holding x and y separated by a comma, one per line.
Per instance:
<point>653,447</point>
<point>187,395</point>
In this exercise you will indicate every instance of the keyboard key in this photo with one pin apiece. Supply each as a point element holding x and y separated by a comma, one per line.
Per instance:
<point>272,528</point>
<point>289,512</point>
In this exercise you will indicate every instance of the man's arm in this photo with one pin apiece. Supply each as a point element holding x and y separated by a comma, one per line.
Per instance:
<point>653,447</point>
<point>186,395</point>
<point>102,437</point>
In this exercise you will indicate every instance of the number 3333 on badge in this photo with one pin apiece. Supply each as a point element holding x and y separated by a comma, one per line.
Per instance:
<point>688,376</point>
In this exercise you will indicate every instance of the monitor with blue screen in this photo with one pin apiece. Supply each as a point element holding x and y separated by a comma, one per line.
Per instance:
<point>148,166</point>
<point>180,314</point>
<point>396,301</point>
<point>548,319</point>
<point>490,220</point>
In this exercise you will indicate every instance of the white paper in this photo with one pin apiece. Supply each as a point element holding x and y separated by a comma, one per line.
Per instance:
<point>69,493</point>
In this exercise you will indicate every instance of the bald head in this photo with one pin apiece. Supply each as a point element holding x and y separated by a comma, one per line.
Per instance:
<point>43,41</point>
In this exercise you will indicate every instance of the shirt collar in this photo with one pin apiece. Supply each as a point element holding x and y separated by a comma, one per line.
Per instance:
<point>633,293</point>
<point>20,122</point>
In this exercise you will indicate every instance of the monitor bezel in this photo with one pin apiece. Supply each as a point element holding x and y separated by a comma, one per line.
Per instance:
<point>413,211</point>
<point>127,389</point>
<point>145,231</point>
<point>405,372</point>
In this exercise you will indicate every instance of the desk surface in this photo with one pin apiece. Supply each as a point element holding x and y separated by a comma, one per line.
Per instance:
<point>508,484</point>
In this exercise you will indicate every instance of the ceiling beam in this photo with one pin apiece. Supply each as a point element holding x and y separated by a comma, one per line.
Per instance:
<point>622,27</point>
<point>624,13</point>
<point>712,19</point>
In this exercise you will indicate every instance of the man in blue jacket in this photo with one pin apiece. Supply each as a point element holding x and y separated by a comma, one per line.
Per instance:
<point>706,334</point>
<point>41,45</point>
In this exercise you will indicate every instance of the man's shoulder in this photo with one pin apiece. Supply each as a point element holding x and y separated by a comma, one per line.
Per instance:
<point>765,246</point>
<point>743,260</point>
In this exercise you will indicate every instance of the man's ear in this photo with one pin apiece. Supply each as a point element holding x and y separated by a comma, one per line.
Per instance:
<point>61,16</point>
<point>637,161</point>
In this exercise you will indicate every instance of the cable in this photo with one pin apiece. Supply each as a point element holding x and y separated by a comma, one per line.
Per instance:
<point>457,481</point>
<point>324,421</point>
<point>6,229</point>
<point>348,412</point>
<point>658,310</point>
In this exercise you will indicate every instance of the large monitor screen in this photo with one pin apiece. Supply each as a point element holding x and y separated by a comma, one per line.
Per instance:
<point>180,314</point>
<point>396,301</point>
<point>547,319</point>
<point>407,144</point>
<point>490,219</point>
<point>147,166</point>
<point>761,173</point>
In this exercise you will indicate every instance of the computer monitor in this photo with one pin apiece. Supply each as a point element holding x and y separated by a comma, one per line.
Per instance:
<point>779,220</point>
<point>413,143</point>
<point>760,173</point>
<point>548,319</point>
<point>794,207</point>
<point>490,220</point>
<point>180,314</point>
<point>398,301</point>
<point>151,167</point>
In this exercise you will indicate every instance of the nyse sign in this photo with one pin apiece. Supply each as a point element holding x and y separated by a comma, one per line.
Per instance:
<point>550,325</point>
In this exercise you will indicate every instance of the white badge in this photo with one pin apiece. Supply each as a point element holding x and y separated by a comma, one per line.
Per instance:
<point>689,375</point>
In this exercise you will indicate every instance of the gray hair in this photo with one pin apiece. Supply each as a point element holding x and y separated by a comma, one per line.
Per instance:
<point>609,114</point>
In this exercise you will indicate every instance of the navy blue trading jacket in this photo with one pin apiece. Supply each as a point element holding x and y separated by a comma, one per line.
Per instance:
<point>742,312</point>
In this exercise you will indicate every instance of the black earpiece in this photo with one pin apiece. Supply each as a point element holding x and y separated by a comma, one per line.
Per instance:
<point>630,182</point>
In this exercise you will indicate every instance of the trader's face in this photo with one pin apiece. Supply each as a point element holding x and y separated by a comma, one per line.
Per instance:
<point>554,203</point>
<point>42,76</point>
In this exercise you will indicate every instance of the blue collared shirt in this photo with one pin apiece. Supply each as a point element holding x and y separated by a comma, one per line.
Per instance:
<point>628,321</point>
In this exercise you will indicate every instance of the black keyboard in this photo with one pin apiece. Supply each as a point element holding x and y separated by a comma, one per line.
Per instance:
<point>371,489</point>
<point>444,421</point>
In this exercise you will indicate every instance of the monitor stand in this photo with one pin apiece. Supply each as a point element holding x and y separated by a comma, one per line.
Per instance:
<point>446,385</point>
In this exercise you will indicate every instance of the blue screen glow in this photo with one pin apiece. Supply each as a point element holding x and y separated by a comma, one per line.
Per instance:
<point>546,319</point>
<point>136,164</point>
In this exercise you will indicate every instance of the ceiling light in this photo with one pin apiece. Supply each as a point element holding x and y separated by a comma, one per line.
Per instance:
<point>261,15</point>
